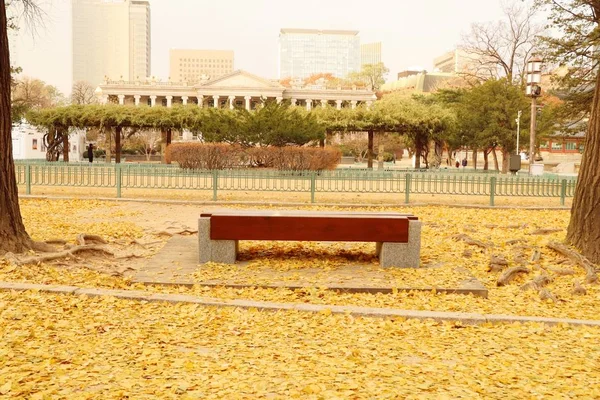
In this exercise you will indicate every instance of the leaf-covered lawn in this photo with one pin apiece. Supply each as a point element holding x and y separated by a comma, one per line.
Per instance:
<point>56,346</point>
<point>509,231</point>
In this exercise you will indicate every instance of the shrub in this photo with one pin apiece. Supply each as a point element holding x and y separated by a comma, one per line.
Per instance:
<point>205,155</point>
<point>222,156</point>
<point>305,158</point>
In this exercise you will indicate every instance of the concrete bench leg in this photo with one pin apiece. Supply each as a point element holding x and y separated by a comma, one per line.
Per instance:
<point>403,255</point>
<point>219,251</point>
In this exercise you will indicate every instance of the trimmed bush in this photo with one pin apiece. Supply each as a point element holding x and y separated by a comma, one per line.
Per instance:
<point>223,156</point>
<point>205,156</point>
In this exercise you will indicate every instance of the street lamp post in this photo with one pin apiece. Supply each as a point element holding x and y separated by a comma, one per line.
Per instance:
<point>518,120</point>
<point>534,78</point>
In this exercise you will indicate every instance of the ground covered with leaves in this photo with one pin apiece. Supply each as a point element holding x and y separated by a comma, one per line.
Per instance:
<point>59,346</point>
<point>454,240</point>
<point>56,346</point>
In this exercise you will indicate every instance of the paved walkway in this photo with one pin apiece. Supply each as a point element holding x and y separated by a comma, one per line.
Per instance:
<point>177,263</point>
<point>138,295</point>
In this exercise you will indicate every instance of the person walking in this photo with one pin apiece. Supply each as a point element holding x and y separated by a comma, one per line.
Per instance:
<point>90,152</point>
<point>464,162</point>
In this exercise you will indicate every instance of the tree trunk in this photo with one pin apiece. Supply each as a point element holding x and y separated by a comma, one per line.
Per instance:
<point>163,146</point>
<point>167,150</point>
<point>474,158</point>
<point>13,236</point>
<point>505,160</point>
<point>108,145</point>
<point>495,159</point>
<point>486,159</point>
<point>118,131</point>
<point>370,150</point>
<point>584,228</point>
<point>66,148</point>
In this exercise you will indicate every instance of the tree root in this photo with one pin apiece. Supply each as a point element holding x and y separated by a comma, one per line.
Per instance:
<point>84,239</point>
<point>545,231</point>
<point>578,289</point>
<point>545,294</point>
<point>537,283</point>
<point>591,276</point>
<point>497,264</point>
<point>61,254</point>
<point>510,274</point>
<point>562,271</point>
<point>470,241</point>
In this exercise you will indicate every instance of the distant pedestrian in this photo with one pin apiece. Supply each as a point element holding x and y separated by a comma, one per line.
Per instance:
<point>90,151</point>
<point>464,162</point>
<point>457,164</point>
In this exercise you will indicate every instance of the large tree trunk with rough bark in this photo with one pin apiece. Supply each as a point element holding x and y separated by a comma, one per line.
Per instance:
<point>584,227</point>
<point>13,236</point>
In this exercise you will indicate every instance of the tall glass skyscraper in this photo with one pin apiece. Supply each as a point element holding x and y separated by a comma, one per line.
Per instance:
<point>304,52</point>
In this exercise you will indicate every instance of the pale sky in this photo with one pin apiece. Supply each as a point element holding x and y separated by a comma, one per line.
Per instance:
<point>412,32</point>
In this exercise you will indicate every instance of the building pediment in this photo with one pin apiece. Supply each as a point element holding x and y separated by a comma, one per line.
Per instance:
<point>239,79</point>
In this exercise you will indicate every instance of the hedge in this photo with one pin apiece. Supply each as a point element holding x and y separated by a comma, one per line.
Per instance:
<point>223,156</point>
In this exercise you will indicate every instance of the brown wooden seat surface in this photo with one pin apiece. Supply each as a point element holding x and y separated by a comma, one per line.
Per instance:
<point>309,226</point>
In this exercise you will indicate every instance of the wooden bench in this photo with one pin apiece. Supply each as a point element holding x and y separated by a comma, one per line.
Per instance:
<point>398,236</point>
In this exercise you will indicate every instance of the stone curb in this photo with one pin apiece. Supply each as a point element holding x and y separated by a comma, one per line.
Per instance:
<point>138,295</point>
<point>293,204</point>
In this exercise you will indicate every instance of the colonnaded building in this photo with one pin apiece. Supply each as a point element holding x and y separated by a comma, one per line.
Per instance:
<point>236,89</point>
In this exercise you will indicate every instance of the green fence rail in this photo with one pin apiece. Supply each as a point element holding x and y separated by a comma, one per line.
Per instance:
<point>148,176</point>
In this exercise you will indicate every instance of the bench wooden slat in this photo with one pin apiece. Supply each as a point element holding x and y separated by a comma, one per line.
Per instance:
<point>351,228</point>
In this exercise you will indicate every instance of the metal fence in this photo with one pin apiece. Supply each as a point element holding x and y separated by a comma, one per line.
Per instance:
<point>153,176</point>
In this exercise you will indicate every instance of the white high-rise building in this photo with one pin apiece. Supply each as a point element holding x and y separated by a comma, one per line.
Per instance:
<point>304,52</point>
<point>111,38</point>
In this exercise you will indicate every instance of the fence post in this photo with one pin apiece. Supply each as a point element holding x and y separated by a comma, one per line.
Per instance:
<point>407,179</point>
<point>492,190</point>
<point>28,178</point>
<point>215,183</point>
<point>118,178</point>
<point>563,191</point>
<point>313,184</point>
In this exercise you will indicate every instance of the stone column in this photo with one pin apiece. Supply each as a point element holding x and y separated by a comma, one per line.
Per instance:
<point>184,100</point>
<point>353,103</point>
<point>248,98</point>
<point>294,101</point>
<point>216,101</point>
<point>338,104</point>
<point>200,101</point>
<point>369,104</point>
<point>104,99</point>
<point>121,99</point>
<point>279,100</point>
<point>137,98</point>
<point>152,101</point>
<point>169,101</point>
<point>231,100</point>
<point>308,104</point>
<point>323,103</point>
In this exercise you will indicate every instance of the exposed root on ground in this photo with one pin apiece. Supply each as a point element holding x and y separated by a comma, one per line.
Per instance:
<point>510,274</point>
<point>591,276</point>
<point>91,244</point>
<point>497,264</point>
<point>545,231</point>
<point>537,283</point>
<point>470,241</point>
